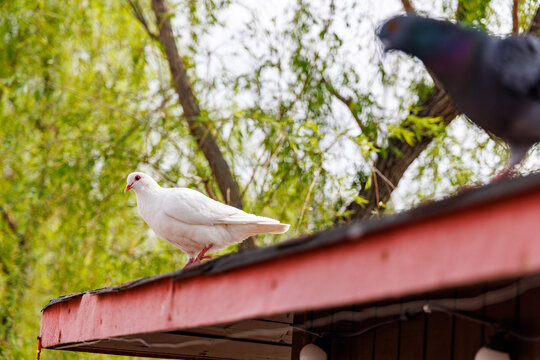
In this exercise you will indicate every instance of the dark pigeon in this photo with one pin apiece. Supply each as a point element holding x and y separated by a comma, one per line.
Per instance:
<point>495,82</point>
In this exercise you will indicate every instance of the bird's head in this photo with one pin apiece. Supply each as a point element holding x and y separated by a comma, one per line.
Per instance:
<point>138,180</point>
<point>394,33</point>
<point>428,39</point>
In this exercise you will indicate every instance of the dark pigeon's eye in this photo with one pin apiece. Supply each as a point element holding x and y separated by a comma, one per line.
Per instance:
<point>392,26</point>
<point>137,178</point>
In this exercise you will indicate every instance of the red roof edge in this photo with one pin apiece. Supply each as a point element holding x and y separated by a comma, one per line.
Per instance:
<point>486,241</point>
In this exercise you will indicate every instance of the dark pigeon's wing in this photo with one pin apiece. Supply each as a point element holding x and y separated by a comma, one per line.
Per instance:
<point>516,61</point>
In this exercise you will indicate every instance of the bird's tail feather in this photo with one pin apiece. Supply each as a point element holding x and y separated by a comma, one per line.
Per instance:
<point>254,229</point>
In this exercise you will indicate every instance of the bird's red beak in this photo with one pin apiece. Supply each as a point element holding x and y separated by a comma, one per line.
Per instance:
<point>128,187</point>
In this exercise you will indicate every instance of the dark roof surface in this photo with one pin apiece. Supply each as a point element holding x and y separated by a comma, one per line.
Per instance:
<point>351,232</point>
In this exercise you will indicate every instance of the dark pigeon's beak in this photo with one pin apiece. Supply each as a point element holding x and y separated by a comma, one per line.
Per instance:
<point>381,34</point>
<point>386,44</point>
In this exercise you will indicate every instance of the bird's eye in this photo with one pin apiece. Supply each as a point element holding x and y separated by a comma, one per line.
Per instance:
<point>137,178</point>
<point>393,26</point>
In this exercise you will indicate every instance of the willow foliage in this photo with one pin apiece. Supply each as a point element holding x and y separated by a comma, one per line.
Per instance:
<point>297,103</point>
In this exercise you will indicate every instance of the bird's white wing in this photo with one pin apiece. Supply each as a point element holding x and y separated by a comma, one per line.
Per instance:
<point>192,207</point>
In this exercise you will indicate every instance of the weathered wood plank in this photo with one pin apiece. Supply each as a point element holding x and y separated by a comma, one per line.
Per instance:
<point>386,336</point>
<point>362,346</point>
<point>188,346</point>
<point>300,338</point>
<point>529,324</point>
<point>468,335</point>
<point>412,334</point>
<point>438,340</point>
<point>257,330</point>
<point>341,345</point>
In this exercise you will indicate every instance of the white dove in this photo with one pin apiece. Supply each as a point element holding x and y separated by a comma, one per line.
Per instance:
<point>193,222</point>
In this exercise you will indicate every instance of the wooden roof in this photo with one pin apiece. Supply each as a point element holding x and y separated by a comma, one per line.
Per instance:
<point>209,311</point>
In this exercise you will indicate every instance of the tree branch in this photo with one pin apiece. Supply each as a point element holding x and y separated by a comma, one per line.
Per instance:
<point>515,17</point>
<point>280,140</point>
<point>308,197</point>
<point>345,100</point>
<point>139,15</point>
<point>15,277</point>
<point>200,131</point>
<point>534,26</point>
<point>13,226</point>
<point>400,155</point>
<point>408,6</point>
<point>460,11</point>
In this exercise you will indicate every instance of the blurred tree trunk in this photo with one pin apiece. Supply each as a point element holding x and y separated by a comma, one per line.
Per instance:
<point>534,26</point>
<point>202,134</point>
<point>400,154</point>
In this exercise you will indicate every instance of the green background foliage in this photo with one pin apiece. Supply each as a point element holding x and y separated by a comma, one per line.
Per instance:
<point>85,98</point>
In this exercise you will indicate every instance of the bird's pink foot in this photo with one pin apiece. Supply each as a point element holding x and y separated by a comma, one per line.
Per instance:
<point>505,173</point>
<point>190,262</point>
<point>202,255</point>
